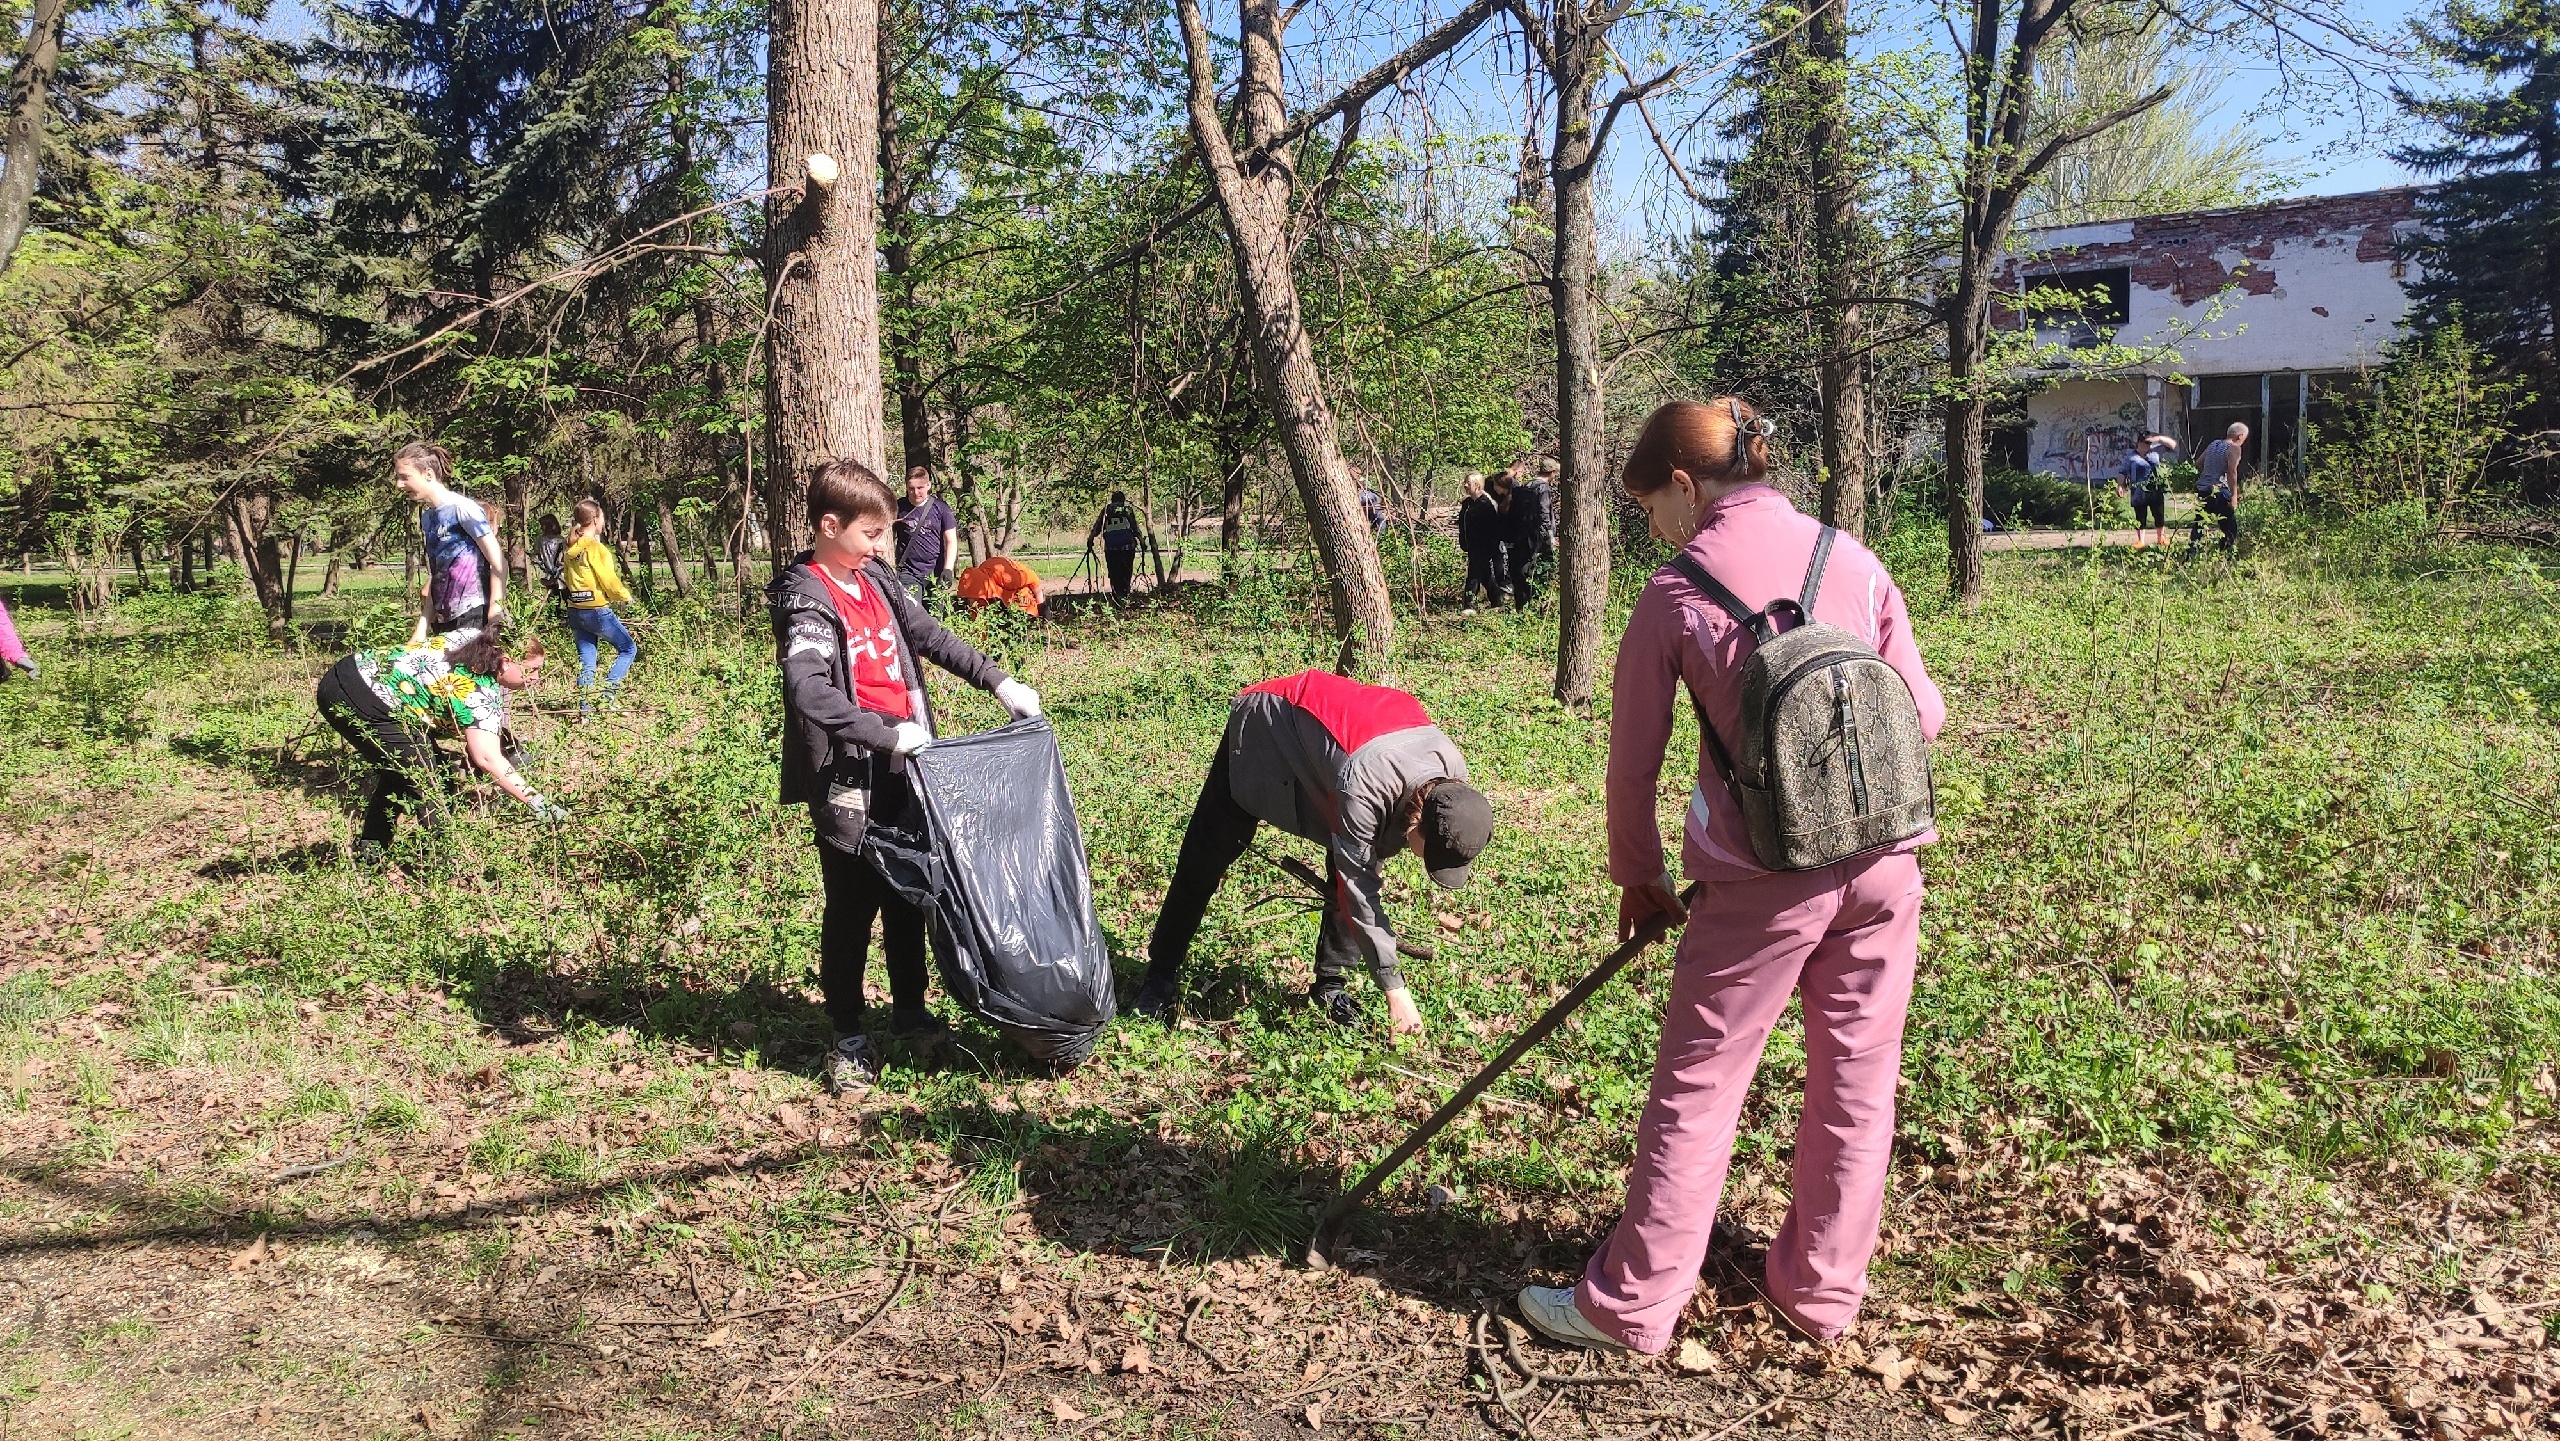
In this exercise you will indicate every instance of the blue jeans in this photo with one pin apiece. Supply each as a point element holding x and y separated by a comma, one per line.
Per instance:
<point>601,624</point>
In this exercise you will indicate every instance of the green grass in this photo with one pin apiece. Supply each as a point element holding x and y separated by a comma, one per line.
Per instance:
<point>2259,867</point>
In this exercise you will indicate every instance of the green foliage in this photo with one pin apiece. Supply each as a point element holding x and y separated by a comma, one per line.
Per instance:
<point>2485,259</point>
<point>2423,432</point>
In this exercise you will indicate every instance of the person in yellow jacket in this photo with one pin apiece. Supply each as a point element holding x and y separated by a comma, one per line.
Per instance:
<point>591,587</point>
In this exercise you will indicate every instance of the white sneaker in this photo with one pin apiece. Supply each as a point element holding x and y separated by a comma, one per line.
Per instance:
<point>1550,1311</point>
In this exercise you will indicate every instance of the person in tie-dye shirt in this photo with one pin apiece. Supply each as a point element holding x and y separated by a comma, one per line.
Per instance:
<point>466,579</point>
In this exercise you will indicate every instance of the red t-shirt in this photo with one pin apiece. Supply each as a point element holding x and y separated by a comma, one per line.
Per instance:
<point>870,645</point>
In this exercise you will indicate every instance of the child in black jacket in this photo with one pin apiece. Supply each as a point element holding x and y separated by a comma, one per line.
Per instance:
<point>847,636</point>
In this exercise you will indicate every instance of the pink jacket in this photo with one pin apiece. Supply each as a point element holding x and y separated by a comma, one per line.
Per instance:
<point>1758,545</point>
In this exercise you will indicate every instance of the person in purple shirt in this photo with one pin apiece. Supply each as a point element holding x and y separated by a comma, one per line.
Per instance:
<point>928,537</point>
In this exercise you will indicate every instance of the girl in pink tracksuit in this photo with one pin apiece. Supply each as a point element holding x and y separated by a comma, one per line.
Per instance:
<point>1845,937</point>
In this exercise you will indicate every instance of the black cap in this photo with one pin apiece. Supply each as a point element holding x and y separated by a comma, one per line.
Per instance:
<point>1456,822</point>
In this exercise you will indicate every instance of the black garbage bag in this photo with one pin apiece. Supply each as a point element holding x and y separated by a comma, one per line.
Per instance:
<point>994,856</point>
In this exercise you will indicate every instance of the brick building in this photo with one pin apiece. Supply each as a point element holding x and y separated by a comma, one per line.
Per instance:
<point>2311,290</point>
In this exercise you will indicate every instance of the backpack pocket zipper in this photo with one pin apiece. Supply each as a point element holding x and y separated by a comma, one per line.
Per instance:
<point>1844,719</point>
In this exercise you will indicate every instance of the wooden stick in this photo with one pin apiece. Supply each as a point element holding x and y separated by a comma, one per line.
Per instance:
<point>1320,1245</point>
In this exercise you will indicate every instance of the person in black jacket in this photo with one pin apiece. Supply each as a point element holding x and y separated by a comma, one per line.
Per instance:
<point>1480,540</point>
<point>1526,542</point>
<point>847,635</point>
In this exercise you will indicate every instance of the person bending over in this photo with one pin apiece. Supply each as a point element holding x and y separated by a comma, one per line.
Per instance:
<point>591,585</point>
<point>389,703</point>
<point>466,579</point>
<point>847,634</point>
<point>1362,771</point>
<point>1844,938</point>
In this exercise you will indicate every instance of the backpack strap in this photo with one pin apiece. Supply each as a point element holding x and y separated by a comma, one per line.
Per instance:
<point>1756,622</point>
<point>1813,571</point>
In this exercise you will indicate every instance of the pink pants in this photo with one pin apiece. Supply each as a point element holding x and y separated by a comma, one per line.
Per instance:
<point>11,652</point>
<point>1846,938</point>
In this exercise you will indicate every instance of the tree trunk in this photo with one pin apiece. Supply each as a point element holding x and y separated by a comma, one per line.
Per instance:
<point>1231,461</point>
<point>249,516</point>
<point>22,145</point>
<point>1255,202</point>
<point>1582,591</point>
<point>1838,271</point>
<point>673,551</point>
<point>187,563</point>
<point>822,391</point>
<point>1964,423</point>
<point>292,574</point>
<point>329,577</point>
<point>897,258</point>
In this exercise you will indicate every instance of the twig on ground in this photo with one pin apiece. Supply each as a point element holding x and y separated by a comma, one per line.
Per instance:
<point>737,1315</point>
<point>1511,1352</point>
<point>1743,1420</point>
<point>1481,1343</point>
<point>1199,1308</point>
<point>1004,1362</point>
<point>906,1273</point>
<point>295,1173</point>
<point>516,1340</point>
<point>2153,1424</point>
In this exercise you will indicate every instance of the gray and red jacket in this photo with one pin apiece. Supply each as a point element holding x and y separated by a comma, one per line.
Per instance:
<point>833,749</point>
<point>1336,761</point>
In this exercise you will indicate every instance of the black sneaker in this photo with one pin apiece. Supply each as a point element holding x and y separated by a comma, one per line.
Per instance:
<point>1155,999</point>
<point>1338,1004</point>
<point>852,1065</point>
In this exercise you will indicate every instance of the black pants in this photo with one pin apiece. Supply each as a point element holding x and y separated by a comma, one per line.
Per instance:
<point>1486,572</point>
<point>2226,518</point>
<point>1519,560</point>
<point>1219,833</point>
<point>856,893</point>
<point>1123,566</point>
<point>2151,503</point>
<point>403,760</point>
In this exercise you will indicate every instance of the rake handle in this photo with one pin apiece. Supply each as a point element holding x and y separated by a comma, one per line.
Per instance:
<point>1419,950</point>
<point>1539,1029</point>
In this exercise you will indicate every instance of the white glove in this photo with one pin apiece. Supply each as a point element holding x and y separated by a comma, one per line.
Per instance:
<point>912,737</point>
<point>1018,698</point>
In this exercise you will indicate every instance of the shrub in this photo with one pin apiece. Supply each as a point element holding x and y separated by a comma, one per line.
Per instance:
<point>2436,420</point>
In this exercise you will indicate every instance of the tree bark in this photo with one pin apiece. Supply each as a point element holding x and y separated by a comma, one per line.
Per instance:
<point>674,552</point>
<point>1965,408</point>
<point>22,145</point>
<point>249,517</point>
<point>822,396</point>
<point>1579,54</point>
<point>1837,258</point>
<point>1255,202</point>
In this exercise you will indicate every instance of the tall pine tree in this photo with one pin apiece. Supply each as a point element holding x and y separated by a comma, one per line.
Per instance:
<point>2490,246</point>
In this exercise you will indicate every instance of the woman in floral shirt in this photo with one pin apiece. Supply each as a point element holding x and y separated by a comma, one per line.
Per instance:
<point>389,703</point>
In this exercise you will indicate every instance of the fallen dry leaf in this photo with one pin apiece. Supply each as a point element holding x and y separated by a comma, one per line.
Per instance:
<point>1695,1355</point>
<point>251,1255</point>
<point>1314,1370</point>
<point>1315,1415</point>
<point>1950,1412</point>
<point>716,1339</point>
<point>1062,1409</point>
<point>1891,1367</point>
<point>1136,1361</point>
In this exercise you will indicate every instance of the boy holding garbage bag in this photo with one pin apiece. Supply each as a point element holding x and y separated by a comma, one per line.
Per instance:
<point>1359,769</point>
<point>847,635</point>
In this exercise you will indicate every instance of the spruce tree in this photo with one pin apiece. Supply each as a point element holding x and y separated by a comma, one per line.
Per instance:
<point>2490,246</point>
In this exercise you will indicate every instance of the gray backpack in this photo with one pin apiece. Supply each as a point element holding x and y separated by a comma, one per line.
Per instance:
<point>1832,762</point>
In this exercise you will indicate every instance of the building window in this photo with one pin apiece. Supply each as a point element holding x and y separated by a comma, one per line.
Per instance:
<point>2082,299</point>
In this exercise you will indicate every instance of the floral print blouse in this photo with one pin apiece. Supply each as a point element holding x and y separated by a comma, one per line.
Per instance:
<point>421,685</point>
